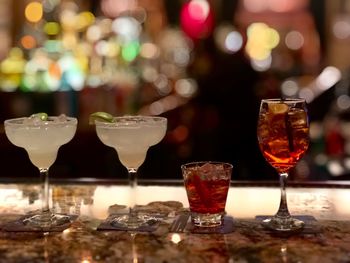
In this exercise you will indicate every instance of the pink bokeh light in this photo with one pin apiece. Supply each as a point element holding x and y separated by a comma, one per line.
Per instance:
<point>197,19</point>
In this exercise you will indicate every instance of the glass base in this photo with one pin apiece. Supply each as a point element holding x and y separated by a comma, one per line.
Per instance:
<point>133,221</point>
<point>47,220</point>
<point>206,220</point>
<point>283,224</point>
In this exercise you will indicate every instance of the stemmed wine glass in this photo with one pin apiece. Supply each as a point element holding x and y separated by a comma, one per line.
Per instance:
<point>131,136</point>
<point>41,136</point>
<point>283,135</point>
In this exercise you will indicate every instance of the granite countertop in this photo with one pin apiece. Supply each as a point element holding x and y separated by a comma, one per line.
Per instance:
<point>248,243</point>
<point>81,242</point>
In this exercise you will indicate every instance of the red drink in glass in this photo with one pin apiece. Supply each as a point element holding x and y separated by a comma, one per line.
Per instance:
<point>207,185</point>
<point>283,135</point>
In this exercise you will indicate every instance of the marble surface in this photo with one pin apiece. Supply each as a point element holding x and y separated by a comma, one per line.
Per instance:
<point>81,242</point>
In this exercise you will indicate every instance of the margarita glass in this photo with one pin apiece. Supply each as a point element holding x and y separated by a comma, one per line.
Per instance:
<point>131,136</point>
<point>41,138</point>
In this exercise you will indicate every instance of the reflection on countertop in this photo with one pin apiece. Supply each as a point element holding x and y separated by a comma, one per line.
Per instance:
<point>242,202</point>
<point>247,243</point>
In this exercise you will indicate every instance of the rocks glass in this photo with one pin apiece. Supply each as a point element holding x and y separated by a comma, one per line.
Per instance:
<point>207,185</point>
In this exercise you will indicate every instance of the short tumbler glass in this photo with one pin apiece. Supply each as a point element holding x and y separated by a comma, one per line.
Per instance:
<point>207,185</point>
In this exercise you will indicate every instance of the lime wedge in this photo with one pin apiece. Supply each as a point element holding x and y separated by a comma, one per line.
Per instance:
<point>102,116</point>
<point>278,108</point>
<point>41,115</point>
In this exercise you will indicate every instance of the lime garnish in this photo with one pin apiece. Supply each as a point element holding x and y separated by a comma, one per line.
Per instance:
<point>41,115</point>
<point>100,115</point>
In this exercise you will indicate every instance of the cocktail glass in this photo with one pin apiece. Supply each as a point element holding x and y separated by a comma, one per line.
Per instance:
<point>207,185</point>
<point>42,139</point>
<point>283,135</point>
<point>131,137</point>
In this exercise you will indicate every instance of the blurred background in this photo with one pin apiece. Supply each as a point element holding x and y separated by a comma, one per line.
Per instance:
<point>203,64</point>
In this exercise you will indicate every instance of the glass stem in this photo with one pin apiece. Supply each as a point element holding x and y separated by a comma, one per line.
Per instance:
<point>44,175</point>
<point>133,184</point>
<point>283,208</point>
<point>134,248</point>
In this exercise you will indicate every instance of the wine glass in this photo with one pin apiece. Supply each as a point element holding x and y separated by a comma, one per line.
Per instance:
<point>41,138</point>
<point>283,135</point>
<point>131,136</point>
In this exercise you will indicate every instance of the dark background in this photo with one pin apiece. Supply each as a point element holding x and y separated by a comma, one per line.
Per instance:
<point>220,120</point>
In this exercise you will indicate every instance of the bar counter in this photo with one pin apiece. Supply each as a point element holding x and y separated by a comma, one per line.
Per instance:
<point>92,201</point>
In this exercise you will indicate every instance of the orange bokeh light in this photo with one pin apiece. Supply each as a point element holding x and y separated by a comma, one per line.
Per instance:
<point>28,42</point>
<point>34,12</point>
<point>180,133</point>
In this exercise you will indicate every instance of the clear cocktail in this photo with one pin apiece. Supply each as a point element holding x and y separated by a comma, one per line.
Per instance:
<point>131,137</point>
<point>41,138</point>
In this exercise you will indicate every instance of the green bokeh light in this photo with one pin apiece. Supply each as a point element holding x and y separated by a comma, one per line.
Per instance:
<point>130,51</point>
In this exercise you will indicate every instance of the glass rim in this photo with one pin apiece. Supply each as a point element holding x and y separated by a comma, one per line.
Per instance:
<point>200,163</point>
<point>287,100</point>
<point>18,122</point>
<point>131,120</point>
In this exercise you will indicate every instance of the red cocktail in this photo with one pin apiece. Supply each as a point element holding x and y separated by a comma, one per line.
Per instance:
<point>207,185</point>
<point>283,135</point>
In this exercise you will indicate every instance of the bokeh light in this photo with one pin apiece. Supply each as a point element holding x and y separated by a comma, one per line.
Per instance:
<point>197,19</point>
<point>102,48</point>
<point>149,73</point>
<point>72,75</point>
<point>68,18</point>
<point>34,12</point>
<point>294,40</point>
<point>220,34</point>
<point>341,29</point>
<point>162,85</point>
<point>328,77</point>
<point>113,8</point>
<point>289,88</point>
<point>130,51</point>
<point>307,94</point>
<point>343,102</point>
<point>28,42</point>
<point>93,33</point>
<point>186,87</point>
<point>127,28</point>
<point>227,38</point>
<point>52,28</point>
<point>255,6</point>
<point>176,238</point>
<point>149,50</point>
<point>335,168</point>
<point>279,6</point>
<point>261,40</point>
<point>84,19</point>
<point>261,64</point>
<point>233,41</point>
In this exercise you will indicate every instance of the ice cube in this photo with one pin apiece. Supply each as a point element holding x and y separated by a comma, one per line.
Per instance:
<point>301,137</point>
<point>278,125</point>
<point>279,147</point>
<point>263,134</point>
<point>207,167</point>
<point>32,120</point>
<point>297,118</point>
<point>61,118</point>
<point>210,171</point>
<point>263,126</point>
